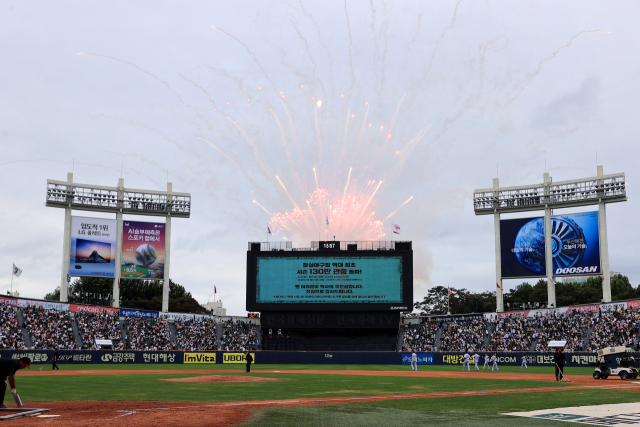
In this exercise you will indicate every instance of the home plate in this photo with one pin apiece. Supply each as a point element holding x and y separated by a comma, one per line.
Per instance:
<point>620,414</point>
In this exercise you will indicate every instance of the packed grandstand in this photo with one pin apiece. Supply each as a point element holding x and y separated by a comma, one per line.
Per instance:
<point>584,330</point>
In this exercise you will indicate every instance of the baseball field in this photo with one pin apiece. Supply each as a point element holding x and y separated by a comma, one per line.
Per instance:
<point>310,395</point>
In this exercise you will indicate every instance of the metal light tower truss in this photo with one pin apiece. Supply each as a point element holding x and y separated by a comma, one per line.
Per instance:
<point>62,194</point>
<point>565,194</point>
<point>598,190</point>
<point>119,200</point>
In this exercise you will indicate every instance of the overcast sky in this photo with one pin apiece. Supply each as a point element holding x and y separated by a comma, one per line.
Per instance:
<point>434,98</point>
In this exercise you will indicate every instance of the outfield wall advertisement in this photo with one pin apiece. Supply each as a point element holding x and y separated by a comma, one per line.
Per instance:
<point>575,246</point>
<point>93,247</point>
<point>329,280</point>
<point>143,250</point>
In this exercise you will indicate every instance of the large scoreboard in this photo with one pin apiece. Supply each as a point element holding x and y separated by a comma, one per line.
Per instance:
<point>330,280</point>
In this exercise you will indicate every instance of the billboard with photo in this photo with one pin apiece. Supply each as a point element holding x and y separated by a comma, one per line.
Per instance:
<point>143,250</point>
<point>93,247</point>
<point>575,246</point>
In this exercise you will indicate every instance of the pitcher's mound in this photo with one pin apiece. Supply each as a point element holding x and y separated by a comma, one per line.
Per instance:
<point>220,379</point>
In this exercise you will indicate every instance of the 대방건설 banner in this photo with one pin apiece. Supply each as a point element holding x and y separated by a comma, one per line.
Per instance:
<point>575,246</point>
<point>143,250</point>
<point>93,247</point>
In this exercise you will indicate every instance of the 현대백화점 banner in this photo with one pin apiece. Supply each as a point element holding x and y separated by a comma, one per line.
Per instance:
<point>93,247</point>
<point>329,279</point>
<point>143,250</point>
<point>575,246</point>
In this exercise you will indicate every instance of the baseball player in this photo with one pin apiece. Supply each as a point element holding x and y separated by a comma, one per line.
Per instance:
<point>8,369</point>
<point>486,361</point>
<point>466,362</point>
<point>524,362</point>
<point>414,361</point>
<point>476,358</point>
<point>494,359</point>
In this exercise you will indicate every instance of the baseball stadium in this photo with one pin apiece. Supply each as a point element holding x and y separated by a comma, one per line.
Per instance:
<point>404,213</point>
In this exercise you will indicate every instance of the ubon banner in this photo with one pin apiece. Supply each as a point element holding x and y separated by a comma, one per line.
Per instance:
<point>329,279</point>
<point>143,250</point>
<point>93,247</point>
<point>575,246</point>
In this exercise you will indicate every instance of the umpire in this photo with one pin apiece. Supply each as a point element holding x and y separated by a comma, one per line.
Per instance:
<point>8,368</point>
<point>559,359</point>
<point>249,359</point>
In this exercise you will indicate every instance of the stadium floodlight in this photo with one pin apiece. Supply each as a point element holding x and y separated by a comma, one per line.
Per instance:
<point>598,190</point>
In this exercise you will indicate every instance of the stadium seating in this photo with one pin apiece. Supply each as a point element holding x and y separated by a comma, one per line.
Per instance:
<point>420,337</point>
<point>512,333</point>
<point>196,334</point>
<point>10,331</point>
<point>147,334</point>
<point>569,326</point>
<point>614,328</point>
<point>464,335</point>
<point>49,329</point>
<point>238,336</point>
<point>102,326</point>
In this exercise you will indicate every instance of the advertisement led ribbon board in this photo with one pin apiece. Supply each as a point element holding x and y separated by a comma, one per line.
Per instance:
<point>93,247</point>
<point>143,250</point>
<point>336,279</point>
<point>575,246</point>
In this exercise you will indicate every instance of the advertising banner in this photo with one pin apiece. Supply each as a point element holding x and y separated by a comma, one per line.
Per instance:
<point>199,358</point>
<point>236,357</point>
<point>143,250</point>
<point>126,312</point>
<point>48,305</point>
<point>9,301</point>
<point>329,280</point>
<point>181,316</point>
<point>93,247</point>
<point>75,308</point>
<point>574,241</point>
<point>423,359</point>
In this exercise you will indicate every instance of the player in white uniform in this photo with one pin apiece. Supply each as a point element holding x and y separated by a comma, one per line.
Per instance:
<point>494,359</point>
<point>466,362</point>
<point>524,362</point>
<point>486,361</point>
<point>414,361</point>
<point>476,357</point>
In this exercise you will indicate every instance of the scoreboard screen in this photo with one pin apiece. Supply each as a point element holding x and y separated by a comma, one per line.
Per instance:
<point>339,280</point>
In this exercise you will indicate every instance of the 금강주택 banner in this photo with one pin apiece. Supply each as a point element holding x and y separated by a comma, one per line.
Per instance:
<point>93,247</point>
<point>143,250</point>
<point>329,279</point>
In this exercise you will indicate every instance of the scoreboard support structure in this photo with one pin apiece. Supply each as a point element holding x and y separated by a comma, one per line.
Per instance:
<point>333,296</point>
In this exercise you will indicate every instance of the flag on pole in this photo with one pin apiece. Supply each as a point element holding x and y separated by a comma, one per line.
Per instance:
<point>498,286</point>
<point>396,228</point>
<point>16,271</point>
<point>327,220</point>
<point>215,291</point>
<point>168,288</point>
<point>268,229</point>
<point>118,283</point>
<point>69,279</point>
<point>449,291</point>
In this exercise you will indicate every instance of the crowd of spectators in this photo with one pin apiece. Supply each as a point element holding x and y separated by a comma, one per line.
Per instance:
<point>101,326</point>
<point>463,335</point>
<point>147,334</point>
<point>512,333</point>
<point>49,329</point>
<point>420,337</point>
<point>196,334</point>
<point>571,326</point>
<point>239,336</point>
<point>614,328</point>
<point>10,331</point>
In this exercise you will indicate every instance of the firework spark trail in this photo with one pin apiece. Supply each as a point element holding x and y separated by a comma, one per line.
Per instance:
<point>308,52</point>
<point>286,191</point>
<point>316,177</point>
<point>287,150</point>
<point>315,24</point>
<point>344,193</point>
<point>531,76</point>
<point>396,211</point>
<point>413,40</point>
<point>254,149</point>
<point>318,137</point>
<point>373,195</point>
<point>437,46</point>
<point>407,149</point>
<point>345,144</point>
<point>391,123</point>
<point>203,91</point>
<point>149,73</point>
<point>255,58</point>
<point>263,208</point>
<point>294,131</point>
<point>353,74</point>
